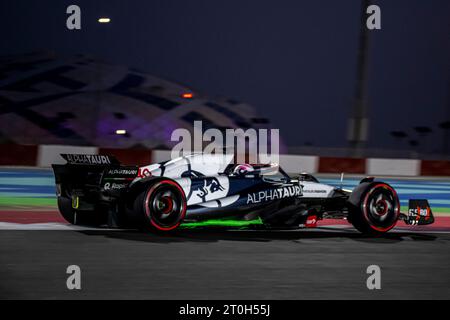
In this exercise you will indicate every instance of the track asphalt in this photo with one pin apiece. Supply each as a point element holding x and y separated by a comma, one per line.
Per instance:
<point>216,264</point>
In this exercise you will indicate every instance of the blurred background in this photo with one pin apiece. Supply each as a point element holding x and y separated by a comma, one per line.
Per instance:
<point>311,69</point>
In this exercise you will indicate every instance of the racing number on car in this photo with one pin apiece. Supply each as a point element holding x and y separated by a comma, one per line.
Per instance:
<point>143,173</point>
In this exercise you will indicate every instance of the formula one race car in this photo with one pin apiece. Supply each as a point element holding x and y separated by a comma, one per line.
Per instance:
<point>96,190</point>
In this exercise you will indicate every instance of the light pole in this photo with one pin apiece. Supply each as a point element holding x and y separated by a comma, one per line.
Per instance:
<point>445,126</point>
<point>358,121</point>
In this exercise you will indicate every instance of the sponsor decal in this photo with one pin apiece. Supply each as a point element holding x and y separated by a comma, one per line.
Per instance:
<point>88,159</point>
<point>143,173</point>
<point>314,191</point>
<point>415,215</point>
<point>419,212</point>
<point>424,212</point>
<point>311,222</point>
<point>274,194</point>
<point>209,186</point>
<point>123,172</point>
<point>114,186</point>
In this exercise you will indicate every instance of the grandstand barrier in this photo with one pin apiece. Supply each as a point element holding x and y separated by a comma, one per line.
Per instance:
<point>298,163</point>
<point>435,168</point>
<point>393,167</point>
<point>338,165</point>
<point>18,155</point>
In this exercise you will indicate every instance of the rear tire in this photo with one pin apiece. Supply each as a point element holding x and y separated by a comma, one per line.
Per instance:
<point>162,206</point>
<point>374,208</point>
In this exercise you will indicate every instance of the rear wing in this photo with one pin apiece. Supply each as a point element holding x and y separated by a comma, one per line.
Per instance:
<point>90,159</point>
<point>86,174</point>
<point>81,170</point>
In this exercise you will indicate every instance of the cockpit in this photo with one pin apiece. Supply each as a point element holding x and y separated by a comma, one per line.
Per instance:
<point>269,172</point>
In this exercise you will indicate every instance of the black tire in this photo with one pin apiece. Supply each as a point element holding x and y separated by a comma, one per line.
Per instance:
<point>87,218</point>
<point>374,208</point>
<point>162,206</point>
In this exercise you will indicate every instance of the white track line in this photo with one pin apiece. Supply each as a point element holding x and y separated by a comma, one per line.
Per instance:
<point>46,226</point>
<point>68,227</point>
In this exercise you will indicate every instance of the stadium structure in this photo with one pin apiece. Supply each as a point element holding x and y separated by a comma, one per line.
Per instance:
<point>49,99</point>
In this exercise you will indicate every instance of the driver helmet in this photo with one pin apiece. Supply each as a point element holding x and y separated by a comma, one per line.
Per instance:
<point>242,169</point>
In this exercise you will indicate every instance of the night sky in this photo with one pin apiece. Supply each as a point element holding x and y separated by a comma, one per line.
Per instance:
<point>295,61</point>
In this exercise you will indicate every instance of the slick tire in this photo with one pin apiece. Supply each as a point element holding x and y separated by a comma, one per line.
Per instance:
<point>162,206</point>
<point>374,208</point>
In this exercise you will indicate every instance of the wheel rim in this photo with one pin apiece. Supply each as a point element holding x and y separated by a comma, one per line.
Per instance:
<point>165,205</point>
<point>381,207</point>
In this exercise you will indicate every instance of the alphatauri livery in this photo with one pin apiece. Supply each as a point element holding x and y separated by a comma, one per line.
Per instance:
<point>96,190</point>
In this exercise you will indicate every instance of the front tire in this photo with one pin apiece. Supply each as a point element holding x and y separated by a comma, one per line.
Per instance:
<point>162,205</point>
<point>374,208</point>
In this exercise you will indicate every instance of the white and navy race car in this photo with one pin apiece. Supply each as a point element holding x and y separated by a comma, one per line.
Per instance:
<point>96,190</point>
